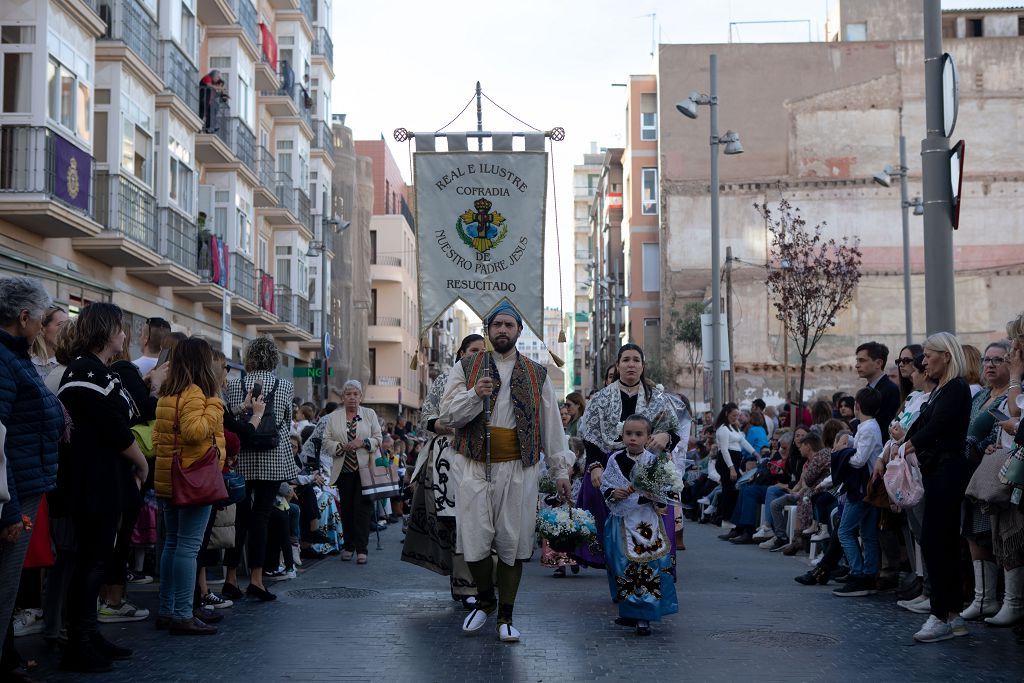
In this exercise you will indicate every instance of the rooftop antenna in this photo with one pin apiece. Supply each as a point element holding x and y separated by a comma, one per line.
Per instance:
<point>654,21</point>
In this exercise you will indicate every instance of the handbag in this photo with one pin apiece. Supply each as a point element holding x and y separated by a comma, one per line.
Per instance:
<point>1012,471</point>
<point>903,480</point>
<point>985,488</point>
<point>267,435</point>
<point>234,483</point>
<point>201,483</point>
<point>876,494</point>
<point>378,477</point>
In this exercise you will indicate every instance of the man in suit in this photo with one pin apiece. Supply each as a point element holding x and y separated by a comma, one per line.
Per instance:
<point>870,365</point>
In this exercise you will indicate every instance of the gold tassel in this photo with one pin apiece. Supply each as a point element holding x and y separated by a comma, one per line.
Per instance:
<point>488,346</point>
<point>558,361</point>
<point>415,362</point>
<point>561,337</point>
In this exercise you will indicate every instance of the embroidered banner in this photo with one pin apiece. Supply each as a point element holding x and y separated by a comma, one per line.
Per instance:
<point>480,230</point>
<point>73,173</point>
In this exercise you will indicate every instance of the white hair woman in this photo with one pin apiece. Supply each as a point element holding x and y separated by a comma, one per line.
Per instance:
<point>351,436</point>
<point>939,437</point>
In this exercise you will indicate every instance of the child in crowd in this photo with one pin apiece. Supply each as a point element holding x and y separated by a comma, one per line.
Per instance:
<point>637,547</point>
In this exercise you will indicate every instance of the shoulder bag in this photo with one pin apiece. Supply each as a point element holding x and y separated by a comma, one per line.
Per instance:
<point>201,483</point>
<point>267,434</point>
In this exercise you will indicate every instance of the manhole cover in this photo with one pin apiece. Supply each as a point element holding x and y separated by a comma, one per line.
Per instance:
<point>336,593</point>
<point>775,638</point>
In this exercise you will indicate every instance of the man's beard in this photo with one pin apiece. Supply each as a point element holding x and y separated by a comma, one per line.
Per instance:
<point>503,344</point>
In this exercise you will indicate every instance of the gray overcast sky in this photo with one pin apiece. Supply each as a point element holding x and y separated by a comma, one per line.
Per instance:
<point>413,64</point>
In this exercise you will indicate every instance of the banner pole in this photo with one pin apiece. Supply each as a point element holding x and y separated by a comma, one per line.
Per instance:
<point>479,118</point>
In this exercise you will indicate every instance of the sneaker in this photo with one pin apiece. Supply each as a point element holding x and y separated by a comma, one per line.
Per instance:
<point>704,501</point>
<point>767,544</point>
<point>26,623</point>
<point>763,534</point>
<point>923,606</point>
<point>214,601</point>
<point>139,578</point>
<point>934,630</point>
<point>281,576</point>
<point>778,544</point>
<point>115,614</point>
<point>857,587</point>
<point>811,530</point>
<point>296,555</point>
<point>959,626</point>
<point>821,535</point>
<point>907,604</point>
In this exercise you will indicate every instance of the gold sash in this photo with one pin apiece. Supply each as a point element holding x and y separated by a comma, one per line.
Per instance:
<point>504,445</point>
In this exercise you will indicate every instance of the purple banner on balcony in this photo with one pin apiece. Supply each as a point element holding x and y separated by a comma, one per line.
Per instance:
<point>267,293</point>
<point>73,174</point>
<point>219,255</point>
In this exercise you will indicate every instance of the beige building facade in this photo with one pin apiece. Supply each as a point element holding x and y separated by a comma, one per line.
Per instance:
<point>120,181</point>
<point>817,121</point>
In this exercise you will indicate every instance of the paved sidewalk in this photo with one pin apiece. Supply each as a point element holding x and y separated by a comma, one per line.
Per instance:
<point>742,617</point>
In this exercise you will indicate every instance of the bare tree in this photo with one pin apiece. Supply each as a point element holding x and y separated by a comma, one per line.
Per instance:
<point>810,279</point>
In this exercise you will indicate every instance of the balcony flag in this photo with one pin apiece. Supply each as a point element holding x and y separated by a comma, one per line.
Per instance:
<point>480,232</point>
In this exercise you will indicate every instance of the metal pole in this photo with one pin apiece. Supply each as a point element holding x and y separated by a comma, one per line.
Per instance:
<point>728,321</point>
<point>716,255</point>
<point>479,118</point>
<point>939,285</point>
<point>323,313</point>
<point>904,204</point>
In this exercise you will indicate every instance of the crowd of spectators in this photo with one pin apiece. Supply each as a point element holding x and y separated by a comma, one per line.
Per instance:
<point>175,466</point>
<point>905,487</point>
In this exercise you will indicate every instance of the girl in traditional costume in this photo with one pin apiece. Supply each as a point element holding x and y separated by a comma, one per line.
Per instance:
<point>601,431</point>
<point>637,546</point>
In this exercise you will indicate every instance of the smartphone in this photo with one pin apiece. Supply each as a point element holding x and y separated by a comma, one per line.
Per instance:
<point>165,354</point>
<point>998,414</point>
<point>257,389</point>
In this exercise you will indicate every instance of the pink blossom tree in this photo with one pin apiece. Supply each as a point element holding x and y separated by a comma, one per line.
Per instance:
<point>810,279</point>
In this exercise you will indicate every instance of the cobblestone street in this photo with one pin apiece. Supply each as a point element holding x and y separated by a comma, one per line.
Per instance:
<point>741,615</point>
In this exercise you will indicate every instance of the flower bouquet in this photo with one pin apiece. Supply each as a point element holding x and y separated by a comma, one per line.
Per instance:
<point>566,528</point>
<point>660,480</point>
<point>548,486</point>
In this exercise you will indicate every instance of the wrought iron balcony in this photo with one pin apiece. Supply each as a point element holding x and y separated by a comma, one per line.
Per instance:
<point>37,164</point>
<point>323,137</point>
<point>178,239</point>
<point>234,133</point>
<point>248,19</point>
<point>267,166</point>
<point>129,23</point>
<point>178,74</point>
<point>126,208</point>
<point>323,45</point>
<point>283,303</point>
<point>242,276</point>
<point>303,207</point>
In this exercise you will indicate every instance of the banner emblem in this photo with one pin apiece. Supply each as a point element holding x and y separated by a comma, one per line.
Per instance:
<point>479,229</point>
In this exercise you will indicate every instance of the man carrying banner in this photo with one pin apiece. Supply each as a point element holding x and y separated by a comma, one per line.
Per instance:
<point>497,498</point>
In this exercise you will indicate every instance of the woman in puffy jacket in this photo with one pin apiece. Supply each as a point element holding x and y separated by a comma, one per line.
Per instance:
<point>190,413</point>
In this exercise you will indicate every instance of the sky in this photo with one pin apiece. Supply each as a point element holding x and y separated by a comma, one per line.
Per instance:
<point>414,64</point>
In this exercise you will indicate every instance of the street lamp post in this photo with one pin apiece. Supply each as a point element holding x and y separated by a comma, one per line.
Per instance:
<point>885,179</point>
<point>319,247</point>
<point>688,108</point>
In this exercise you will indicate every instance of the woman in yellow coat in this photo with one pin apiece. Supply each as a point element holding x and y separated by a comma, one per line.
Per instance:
<point>190,412</point>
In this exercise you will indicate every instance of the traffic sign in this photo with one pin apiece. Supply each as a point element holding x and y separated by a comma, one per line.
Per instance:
<point>328,347</point>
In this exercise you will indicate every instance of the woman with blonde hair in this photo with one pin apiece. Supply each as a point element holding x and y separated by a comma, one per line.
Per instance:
<point>45,345</point>
<point>189,420</point>
<point>938,437</point>
<point>972,368</point>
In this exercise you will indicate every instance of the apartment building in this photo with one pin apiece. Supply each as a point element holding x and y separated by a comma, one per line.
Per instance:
<point>125,180</point>
<point>606,286</point>
<point>396,385</point>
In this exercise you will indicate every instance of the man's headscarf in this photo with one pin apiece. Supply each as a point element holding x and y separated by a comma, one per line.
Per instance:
<point>504,308</point>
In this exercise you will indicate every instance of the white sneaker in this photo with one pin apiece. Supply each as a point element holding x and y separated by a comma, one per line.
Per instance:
<point>821,535</point>
<point>923,606</point>
<point>811,530</point>
<point>115,614</point>
<point>763,534</point>
<point>296,555</point>
<point>284,575</point>
<point>710,511</point>
<point>704,501</point>
<point>959,626</point>
<point>767,545</point>
<point>934,630</point>
<point>474,621</point>
<point>26,623</point>
<point>507,633</point>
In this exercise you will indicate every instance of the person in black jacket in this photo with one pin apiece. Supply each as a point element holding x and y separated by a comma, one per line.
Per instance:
<point>938,438</point>
<point>89,479</point>
<point>870,365</point>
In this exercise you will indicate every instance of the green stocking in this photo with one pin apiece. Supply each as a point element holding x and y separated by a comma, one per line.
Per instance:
<point>509,577</point>
<point>482,572</point>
